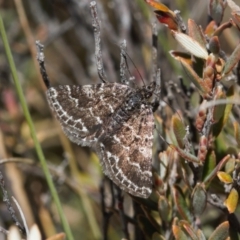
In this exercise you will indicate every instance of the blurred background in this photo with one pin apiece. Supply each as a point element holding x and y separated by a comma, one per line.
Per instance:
<point>64,27</point>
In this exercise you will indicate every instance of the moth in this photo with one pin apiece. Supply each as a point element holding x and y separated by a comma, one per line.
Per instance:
<point>117,121</point>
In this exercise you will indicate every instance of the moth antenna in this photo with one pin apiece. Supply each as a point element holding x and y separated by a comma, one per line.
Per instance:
<point>124,58</point>
<point>164,140</point>
<point>174,109</point>
<point>158,81</point>
<point>155,70</point>
<point>40,58</point>
<point>135,67</point>
<point>123,55</point>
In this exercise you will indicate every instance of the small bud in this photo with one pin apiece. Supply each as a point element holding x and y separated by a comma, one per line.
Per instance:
<point>201,117</point>
<point>203,148</point>
<point>214,45</point>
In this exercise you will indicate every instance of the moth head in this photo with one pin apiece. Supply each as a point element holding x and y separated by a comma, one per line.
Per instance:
<point>149,90</point>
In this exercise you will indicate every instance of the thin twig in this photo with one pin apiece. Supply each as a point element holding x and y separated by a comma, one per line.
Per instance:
<point>9,205</point>
<point>4,231</point>
<point>154,51</point>
<point>159,83</point>
<point>180,22</point>
<point>121,212</point>
<point>98,52</point>
<point>216,102</point>
<point>112,194</point>
<point>106,214</point>
<point>208,123</point>
<point>217,202</point>
<point>156,72</point>
<point>123,63</point>
<point>157,92</point>
<point>22,215</point>
<point>40,58</point>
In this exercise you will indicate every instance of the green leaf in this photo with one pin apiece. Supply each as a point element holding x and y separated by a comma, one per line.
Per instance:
<point>188,229</point>
<point>232,60</point>
<point>230,165</point>
<point>199,199</point>
<point>232,200</point>
<point>237,132</point>
<point>178,233</point>
<point>196,33</point>
<point>180,202</point>
<point>186,155</point>
<point>163,208</point>
<point>147,227</point>
<point>218,110</point>
<point>179,130</point>
<point>157,236</point>
<point>214,172</point>
<point>224,177</point>
<point>216,10</point>
<point>191,45</point>
<point>209,164</point>
<point>217,128</point>
<point>200,235</point>
<point>221,232</point>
